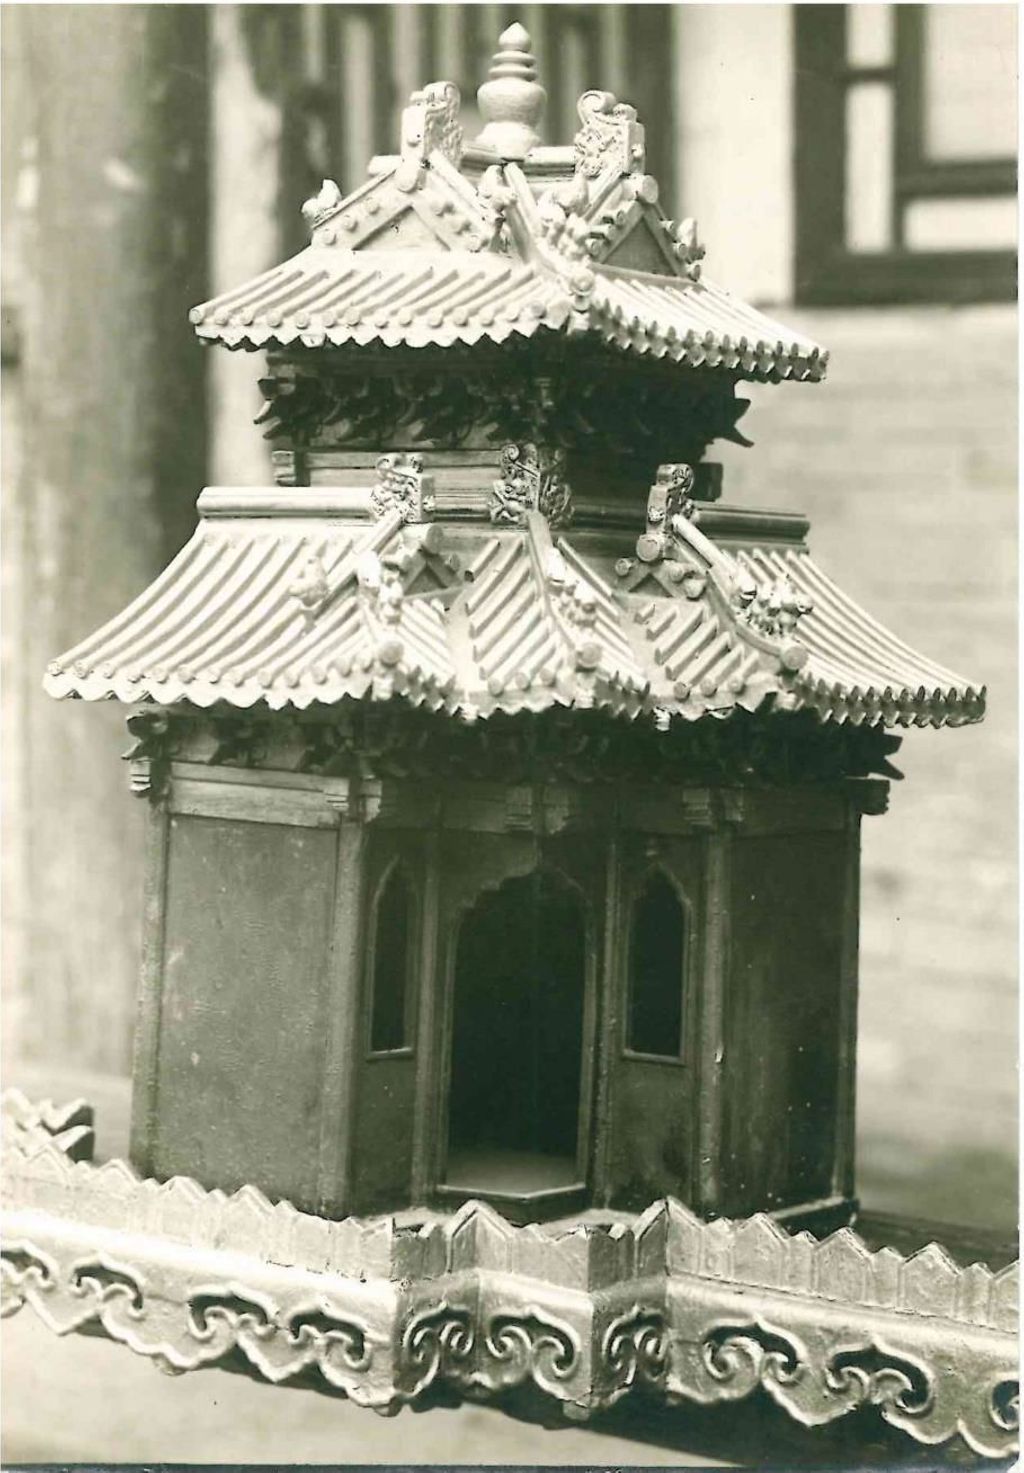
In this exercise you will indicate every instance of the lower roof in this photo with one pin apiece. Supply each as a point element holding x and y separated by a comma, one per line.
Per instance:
<point>282,601</point>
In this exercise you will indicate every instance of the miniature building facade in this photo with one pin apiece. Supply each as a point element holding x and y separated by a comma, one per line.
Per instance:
<point>504,781</point>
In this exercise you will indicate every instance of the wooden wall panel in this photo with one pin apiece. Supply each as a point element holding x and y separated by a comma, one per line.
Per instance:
<point>653,1104</point>
<point>782,1011</point>
<point>382,1139</point>
<point>653,1135</point>
<point>382,1142</point>
<point>239,1076</point>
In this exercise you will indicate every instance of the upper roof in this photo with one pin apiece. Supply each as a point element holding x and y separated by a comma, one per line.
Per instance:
<point>447,242</point>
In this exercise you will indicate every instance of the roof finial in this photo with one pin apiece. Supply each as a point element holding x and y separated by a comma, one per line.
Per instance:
<point>512,99</point>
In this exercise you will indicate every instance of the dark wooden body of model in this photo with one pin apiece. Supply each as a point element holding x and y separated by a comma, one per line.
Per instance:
<point>514,967</point>
<point>362,995</point>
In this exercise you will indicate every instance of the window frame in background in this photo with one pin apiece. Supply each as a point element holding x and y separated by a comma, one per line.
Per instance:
<point>828,272</point>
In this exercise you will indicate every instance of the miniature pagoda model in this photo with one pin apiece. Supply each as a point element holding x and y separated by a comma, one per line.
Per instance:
<point>505,788</point>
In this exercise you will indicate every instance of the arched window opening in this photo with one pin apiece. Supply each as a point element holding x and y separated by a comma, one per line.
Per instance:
<point>390,1020</point>
<point>517,1039</point>
<point>657,971</point>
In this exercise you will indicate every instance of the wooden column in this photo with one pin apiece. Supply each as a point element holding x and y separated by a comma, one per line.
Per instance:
<point>429,1001</point>
<point>844,1179</point>
<point>247,145</point>
<point>146,1047</point>
<point>712,1019</point>
<point>607,1031</point>
<point>108,108</point>
<point>340,1066</point>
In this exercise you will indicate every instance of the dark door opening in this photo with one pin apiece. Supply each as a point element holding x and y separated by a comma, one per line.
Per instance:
<point>517,1040</point>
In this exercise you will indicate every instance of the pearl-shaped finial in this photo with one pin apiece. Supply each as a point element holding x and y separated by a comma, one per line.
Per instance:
<point>511,100</point>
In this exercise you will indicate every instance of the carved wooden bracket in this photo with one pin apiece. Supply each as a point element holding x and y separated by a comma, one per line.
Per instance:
<point>532,479</point>
<point>149,758</point>
<point>354,799</point>
<point>402,487</point>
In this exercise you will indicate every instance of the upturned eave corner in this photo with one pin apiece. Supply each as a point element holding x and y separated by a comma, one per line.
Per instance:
<point>384,1309</point>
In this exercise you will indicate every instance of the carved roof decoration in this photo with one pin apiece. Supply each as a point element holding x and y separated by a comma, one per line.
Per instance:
<point>448,242</point>
<point>382,1308</point>
<point>306,597</point>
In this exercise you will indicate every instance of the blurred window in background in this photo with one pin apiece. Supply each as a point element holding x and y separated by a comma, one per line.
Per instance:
<point>906,128</point>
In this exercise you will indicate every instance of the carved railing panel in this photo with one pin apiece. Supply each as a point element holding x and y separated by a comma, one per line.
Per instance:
<point>700,1312</point>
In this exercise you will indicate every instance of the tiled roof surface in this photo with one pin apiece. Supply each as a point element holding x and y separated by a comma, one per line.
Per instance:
<point>299,607</point>
<point>700,324</point>
<point>324,295</point>
<point>444,244</point>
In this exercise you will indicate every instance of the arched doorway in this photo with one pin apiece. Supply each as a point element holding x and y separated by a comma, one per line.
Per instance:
<point>517,1040</point>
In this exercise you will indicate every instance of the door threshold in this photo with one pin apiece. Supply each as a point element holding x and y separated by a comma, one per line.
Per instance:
<point>519,1206</point>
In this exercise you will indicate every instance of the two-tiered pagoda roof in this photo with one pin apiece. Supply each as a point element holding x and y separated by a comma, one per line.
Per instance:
<point>457,584</point>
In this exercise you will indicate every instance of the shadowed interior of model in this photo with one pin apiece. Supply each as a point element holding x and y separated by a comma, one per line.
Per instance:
<point>519,977</point>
